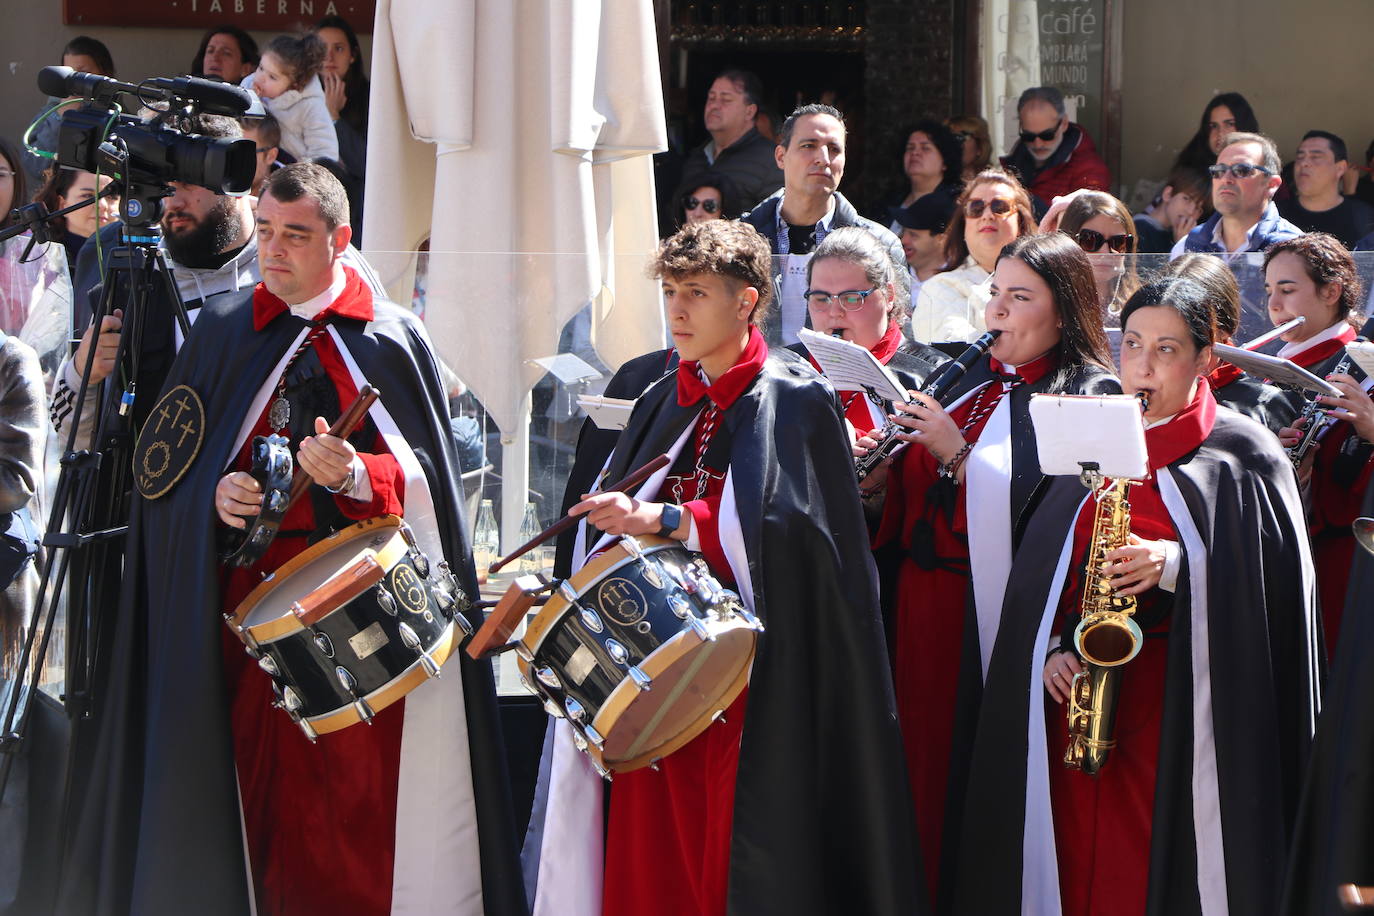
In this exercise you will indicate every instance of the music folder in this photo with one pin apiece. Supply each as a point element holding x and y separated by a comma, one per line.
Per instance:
<point>606,413</point>
<point>1075,432</point>
<point>1275,369</point>
<point>850,367</point>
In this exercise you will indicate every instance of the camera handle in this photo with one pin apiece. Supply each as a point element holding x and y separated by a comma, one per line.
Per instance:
<point>91,502</point>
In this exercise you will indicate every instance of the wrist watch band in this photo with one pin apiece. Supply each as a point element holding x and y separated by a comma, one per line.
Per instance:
<point>669,520</point>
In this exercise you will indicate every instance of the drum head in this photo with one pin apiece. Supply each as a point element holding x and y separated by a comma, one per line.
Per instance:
<point>692,682</point>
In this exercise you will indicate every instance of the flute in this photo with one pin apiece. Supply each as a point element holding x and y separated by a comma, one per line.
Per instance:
<point>936,387</point>
<point>1279,331</point>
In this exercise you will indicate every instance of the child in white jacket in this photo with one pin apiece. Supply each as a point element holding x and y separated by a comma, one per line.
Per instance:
<point>288,82</point>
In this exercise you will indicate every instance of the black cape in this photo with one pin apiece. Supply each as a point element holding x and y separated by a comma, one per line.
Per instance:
<point>822,819</point>
<point>1268,405</point>
<point>1242,497</point>
<point>1333,842</point>
<point>158,831</point>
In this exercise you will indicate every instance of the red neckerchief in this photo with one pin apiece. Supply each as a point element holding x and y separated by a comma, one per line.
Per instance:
<point>1168,442</point>
<point>1032,371</point>
<point>354,302</point>
<point>883,351</point>
<point>1223,375</point>
<point>725,390</point>
<point>1325,349</point>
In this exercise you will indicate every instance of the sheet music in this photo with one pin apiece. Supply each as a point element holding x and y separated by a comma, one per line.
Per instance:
<point>1274,368</point>
<point>850,367</point>
<point>1362,352</point>
<point>1106,430</point>
<point>606,413</point>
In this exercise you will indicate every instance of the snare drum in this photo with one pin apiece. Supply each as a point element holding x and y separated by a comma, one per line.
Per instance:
<point>352,624</point>
<point>639,651</point>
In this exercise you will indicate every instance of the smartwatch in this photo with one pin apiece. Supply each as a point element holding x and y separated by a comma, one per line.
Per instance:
<point>669,520</point>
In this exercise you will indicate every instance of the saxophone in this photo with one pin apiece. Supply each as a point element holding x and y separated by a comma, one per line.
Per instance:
<point>1107,637</point>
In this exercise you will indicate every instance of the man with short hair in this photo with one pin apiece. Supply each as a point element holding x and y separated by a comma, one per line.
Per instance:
<point>809,206</point>
<point>1174,212</point>
<point>223,771</point>
<point>736,148</point>
<point>265,133</point>
<point>1319,206</point>
<point>1244,181</point>
<point>1053,156</point>
<point>922,226</point>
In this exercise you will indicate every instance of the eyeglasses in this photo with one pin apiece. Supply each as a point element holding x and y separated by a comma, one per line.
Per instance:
<point>1091,241</point>
<point>850,300</point>
<point>1000,207</point>
<point>691,203</point>
<point>1241,170</point>
<point>1046,135</point>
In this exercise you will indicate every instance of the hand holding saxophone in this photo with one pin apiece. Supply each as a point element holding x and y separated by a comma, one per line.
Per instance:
<point>1060,668</point>
<point>1137,567</point>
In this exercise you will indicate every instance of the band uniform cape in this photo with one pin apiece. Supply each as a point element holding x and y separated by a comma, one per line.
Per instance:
<point>1241,693</point>
<point>1333,843</point>
<point>822,818</point>
<point>161,833</point>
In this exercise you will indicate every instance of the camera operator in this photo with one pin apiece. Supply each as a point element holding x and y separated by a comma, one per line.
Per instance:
<point>211,248</point>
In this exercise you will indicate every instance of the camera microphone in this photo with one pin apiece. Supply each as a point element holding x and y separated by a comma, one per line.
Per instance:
<point>209,96</point>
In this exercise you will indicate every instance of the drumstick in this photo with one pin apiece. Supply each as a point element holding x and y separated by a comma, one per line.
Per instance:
<point>342,428</point>
<point>563,524</point>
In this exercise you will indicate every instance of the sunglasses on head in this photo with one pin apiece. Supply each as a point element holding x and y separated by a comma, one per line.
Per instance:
<point>1046,135</point>
<point>1000,207</point>
<point>1091,241</point>
<point>691,203</point>
<point>1241,170</point>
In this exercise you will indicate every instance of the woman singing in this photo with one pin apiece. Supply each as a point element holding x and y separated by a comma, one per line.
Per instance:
<point>954,499</point>
<point>853,291</point>
<point>1192,810</point>
<point>1313,275</point>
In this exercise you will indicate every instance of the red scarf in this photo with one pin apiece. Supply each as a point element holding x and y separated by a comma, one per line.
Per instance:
<point>1223,375</point>
<point>1031,372</point>
<point>354,302</point>
<point>1168,442</point>
<point>1324,350</point>
<point>725,390</point>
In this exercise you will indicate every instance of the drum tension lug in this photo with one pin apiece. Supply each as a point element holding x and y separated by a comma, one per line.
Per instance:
<point>700,628</point>
<point>719,716</point>
<point>654,764</point>
<point>594,736</point>
<point>363,710</point>
<point>641,680</point>
<point>309,731</point>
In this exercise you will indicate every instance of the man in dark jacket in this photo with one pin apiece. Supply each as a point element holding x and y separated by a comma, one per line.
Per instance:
<point>795,220</point>
<point>735,149</point>
<point>1053,155</point>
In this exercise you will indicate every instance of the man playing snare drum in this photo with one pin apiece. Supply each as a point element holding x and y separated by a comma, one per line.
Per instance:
<point>795,800</point>
<point>235,800</point>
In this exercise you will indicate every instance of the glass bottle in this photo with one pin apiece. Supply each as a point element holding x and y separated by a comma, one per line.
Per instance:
<point>486,538</point>
<point>532,561</point>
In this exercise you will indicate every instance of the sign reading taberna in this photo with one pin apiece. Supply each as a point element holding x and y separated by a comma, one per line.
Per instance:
<point>253,15</point>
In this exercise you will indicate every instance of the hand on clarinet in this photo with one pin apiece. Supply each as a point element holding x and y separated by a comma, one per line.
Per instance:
<point>327,459</point>
<point>238,497</point>
<point>930,426</point>
<point>1060,668</point>
<point>1354,406</point>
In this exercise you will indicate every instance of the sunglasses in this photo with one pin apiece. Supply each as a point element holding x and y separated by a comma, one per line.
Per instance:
<point>1091,241</point>
<point>1000,208</point>
<point>1241,170</point>
<point>691,203</point>
<point>1046,135</point>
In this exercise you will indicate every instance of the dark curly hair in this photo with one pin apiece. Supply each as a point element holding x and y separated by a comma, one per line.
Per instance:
<point>723,247</point>
<point>303,55</point>
<point>1064,267</point>
<point>1326,261</point>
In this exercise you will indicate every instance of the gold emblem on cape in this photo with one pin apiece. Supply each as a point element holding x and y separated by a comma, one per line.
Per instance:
<point>169,442</point>
<point>409,589</point>
<point>622,601</point>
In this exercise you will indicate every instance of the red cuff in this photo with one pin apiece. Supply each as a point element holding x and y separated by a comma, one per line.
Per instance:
<point>388,484</point>
<point>706,518</point>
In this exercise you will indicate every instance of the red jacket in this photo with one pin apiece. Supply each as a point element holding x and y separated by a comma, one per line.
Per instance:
<point>1074,165</point>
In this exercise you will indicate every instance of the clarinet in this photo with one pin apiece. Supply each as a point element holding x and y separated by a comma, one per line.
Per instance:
<point>936,387</point>
<point>1318,418</point>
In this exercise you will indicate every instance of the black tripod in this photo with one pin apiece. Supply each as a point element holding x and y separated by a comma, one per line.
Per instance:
<point>90,505</point>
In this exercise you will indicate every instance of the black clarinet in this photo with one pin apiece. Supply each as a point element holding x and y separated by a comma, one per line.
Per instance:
<point>1318,416</point>
<point>936,387</point>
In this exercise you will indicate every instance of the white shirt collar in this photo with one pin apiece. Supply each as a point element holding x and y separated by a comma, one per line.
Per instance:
<point>1220,238</point>
<point>312,307</point>
<point>1290,350</point>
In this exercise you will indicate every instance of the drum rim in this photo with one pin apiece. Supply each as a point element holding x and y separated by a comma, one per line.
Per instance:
<point>288,623</point>
<point>395,689</point>
<point>585,579</point>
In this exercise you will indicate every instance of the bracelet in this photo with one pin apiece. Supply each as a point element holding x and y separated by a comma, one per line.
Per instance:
<point>951,467</point>
<point>347,486</point>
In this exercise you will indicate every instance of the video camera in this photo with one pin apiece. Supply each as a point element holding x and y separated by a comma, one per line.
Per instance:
<point>144,156</point>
